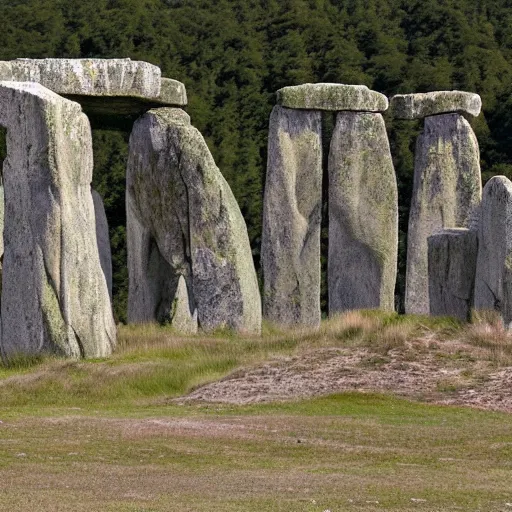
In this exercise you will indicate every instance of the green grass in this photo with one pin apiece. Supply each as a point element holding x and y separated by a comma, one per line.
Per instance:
<point>104,435</point>
<point>152,363</point>
<point>341,452</point>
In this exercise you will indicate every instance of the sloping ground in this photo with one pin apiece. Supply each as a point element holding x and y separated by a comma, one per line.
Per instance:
<point>467,370</point>
<point>428,359</point>
<point>111,435</point>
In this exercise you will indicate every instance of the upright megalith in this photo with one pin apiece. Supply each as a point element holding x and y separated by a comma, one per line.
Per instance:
<point>103,239</point>
<point>493,282</point>
<point>363,204</point>
<point>452,255</point>
<point>447,184</point>
<point>363,215</point>
<point>292,212</point>
<point>54,294</point>
<point>188,250</point>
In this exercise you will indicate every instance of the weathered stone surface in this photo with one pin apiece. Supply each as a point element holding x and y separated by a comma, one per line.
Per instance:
<point>101,86</point>
<point>184,222</point>
<point>363,215</point>
<point>172,92</point>
<point>292,210</point>
<point>417,106</point>
<point>452,257</point>
<point>183,319</point>
<point>2,220</point>
<point>54,294</point>
<point>493,282</point>
<point>103,239</point>
<point>334,97</point>
<point>446,192</point>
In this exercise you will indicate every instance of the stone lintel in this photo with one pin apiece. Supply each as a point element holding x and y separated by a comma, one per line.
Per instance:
<point>103,87</point>
<point>418,106</point>
<point>333,97</point>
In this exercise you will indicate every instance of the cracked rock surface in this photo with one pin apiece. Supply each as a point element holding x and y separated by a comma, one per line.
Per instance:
<point>363,215</point>
<point>420,105</point>
<point>452,257</point>
<point>446,193</point>
<point>54,293</point>
<point>186,235</point>
<point>333,97</point>
<point>103,239</point>
<point>493,282</point>
<point>102,86</point>
<point>292,211</point>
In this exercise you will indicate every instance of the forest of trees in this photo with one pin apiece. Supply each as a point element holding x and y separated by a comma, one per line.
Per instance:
<point>233,55</point>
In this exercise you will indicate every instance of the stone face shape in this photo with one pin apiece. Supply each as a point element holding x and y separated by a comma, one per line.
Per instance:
<point>334,97</point>
<point>101,86</point>
<point>493,282</point>
<point>418,106</point>
<point>184,225</point>
<point>446,192</point>
<point>363,215</point>
<point>292,211</point>
<point>452,257</point>
<point>54,294</point>
<point>103,239</point>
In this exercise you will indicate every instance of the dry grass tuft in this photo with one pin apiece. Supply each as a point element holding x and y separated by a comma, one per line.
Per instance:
<point>392,337</point>
<point>383,332</point>
<point>488,332</point>
<point>153,362</point>
<point>351,327</point>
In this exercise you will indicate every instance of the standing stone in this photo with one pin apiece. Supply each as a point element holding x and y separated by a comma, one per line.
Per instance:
<point>363,215</point>
<point>452,255</point>
<point>103,239</point>
<point>292,212</point>
<point>493,282</point>
<point>54,294</point>
<point>2,220</point>
<point>446,192</point>
<point>186,234</point>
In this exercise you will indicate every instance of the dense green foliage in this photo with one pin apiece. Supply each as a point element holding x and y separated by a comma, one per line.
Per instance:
<point>234,54</point>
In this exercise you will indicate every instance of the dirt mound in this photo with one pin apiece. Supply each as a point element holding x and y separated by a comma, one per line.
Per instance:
<point>424,370</point>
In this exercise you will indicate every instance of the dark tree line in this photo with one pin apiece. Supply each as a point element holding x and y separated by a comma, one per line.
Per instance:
<point>234,54</point>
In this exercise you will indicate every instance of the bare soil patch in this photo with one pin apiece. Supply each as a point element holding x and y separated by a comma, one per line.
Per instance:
<point>448,372</point>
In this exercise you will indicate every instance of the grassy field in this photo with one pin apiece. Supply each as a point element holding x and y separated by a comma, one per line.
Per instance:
<point>107,435</point>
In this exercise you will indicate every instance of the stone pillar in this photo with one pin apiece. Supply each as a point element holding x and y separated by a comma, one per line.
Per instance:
<point>189,257</point>
<point>292,214</point>
<point>292,206</point>
<point>363,215</point>
<point>452,257</point>
<point>447,183</point>
<point>103,239</point>
<point>493,282</point>
<point>54,293</point>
